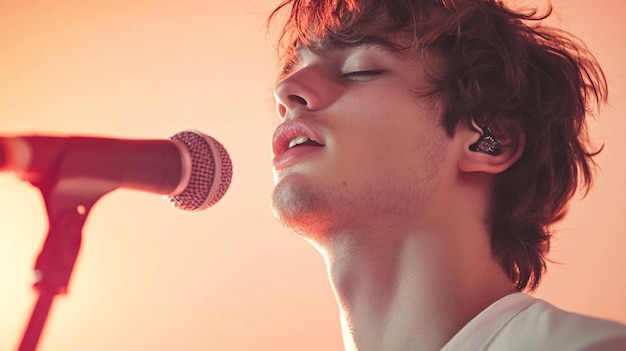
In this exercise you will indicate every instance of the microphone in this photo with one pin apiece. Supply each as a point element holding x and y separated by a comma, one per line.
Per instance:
<point>192,170</point>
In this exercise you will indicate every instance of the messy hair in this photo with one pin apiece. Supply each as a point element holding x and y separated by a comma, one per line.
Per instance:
<point>533,85</point>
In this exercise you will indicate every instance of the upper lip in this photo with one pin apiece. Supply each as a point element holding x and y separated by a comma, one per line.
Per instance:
<point>290,130</point>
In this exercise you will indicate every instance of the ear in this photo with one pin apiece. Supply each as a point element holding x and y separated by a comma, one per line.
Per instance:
<point>477,161</point>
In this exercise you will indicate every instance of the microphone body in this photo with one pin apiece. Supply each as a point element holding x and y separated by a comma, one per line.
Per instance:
<point>189,166</point>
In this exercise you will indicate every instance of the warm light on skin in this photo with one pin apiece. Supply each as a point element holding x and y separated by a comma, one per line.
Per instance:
<point>149,277</point>
<point>353,115</point>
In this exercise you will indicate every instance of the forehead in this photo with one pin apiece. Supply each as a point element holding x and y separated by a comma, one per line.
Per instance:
<point>324,24</point>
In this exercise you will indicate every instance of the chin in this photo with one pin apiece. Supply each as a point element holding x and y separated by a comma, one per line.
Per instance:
<point>301,210</point>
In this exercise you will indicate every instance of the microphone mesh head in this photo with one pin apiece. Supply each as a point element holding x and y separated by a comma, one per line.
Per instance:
<point>211,172</point>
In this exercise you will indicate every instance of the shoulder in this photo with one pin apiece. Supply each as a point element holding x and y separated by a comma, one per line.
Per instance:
<point>522,322</point>
<point>542,325</point>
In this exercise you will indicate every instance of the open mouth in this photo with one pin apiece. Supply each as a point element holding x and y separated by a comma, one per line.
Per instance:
<point>302,140</point>
<point>294,134</point>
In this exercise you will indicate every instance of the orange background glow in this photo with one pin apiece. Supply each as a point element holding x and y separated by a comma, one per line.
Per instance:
<point>150,277</point>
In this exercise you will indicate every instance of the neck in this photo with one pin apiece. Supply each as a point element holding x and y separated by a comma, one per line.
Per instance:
<point>411,290</point>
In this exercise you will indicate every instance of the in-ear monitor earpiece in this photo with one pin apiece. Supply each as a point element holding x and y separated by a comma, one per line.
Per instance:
<point>486,143</point>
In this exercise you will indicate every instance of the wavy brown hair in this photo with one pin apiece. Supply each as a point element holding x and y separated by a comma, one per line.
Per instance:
<point>501,67</point>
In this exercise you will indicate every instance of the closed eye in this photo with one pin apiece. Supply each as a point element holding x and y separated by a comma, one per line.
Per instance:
<point>361,75</point>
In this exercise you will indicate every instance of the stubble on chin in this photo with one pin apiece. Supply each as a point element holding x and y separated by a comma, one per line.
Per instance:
<point>300,209</point>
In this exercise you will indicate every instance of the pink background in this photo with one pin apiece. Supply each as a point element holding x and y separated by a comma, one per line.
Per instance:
<point>150,277</point>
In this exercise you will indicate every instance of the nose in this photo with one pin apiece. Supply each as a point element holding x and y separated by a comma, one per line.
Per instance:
<point>299,91</point>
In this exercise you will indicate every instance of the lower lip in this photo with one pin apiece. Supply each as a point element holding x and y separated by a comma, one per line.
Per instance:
<point>294,155</point>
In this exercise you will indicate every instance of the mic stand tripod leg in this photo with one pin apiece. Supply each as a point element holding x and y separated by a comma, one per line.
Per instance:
<point>68,206</point>
<point>38,319</point>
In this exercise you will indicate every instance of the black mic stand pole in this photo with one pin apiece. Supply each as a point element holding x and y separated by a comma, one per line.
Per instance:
<point>68,198</point>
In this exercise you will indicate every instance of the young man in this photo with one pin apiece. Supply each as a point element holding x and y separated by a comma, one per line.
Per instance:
<point>426,149</point>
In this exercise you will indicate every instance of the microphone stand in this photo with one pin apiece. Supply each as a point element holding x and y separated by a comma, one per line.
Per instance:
<point>68,199</point>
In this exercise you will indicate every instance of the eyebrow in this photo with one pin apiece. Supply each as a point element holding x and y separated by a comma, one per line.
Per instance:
<point>329,48</point>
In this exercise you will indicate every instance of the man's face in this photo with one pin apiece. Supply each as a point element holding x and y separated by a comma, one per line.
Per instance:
<point>367,147</point>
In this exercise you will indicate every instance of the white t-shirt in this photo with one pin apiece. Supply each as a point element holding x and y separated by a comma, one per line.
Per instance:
<point>522,322</point>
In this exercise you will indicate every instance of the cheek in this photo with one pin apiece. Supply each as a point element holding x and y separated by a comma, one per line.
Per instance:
<point>387,134</point>
<point>368,156</point>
